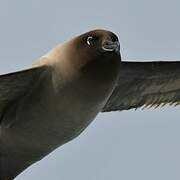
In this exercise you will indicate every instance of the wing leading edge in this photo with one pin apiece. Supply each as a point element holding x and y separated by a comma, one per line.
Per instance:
<point>13,87</point>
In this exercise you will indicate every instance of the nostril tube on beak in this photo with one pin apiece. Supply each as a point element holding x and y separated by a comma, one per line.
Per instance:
<point>110,46</point>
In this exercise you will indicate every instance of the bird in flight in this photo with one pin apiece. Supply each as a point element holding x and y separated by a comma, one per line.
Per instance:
<point>51,103</point>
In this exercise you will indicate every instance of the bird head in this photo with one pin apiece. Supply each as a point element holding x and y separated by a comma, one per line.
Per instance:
<point>95,52</point>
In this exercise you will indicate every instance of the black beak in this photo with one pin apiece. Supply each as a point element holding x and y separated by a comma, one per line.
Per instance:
<point>111,46</point>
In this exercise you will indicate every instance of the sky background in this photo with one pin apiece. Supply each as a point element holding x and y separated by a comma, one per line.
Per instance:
<point>138,145</point>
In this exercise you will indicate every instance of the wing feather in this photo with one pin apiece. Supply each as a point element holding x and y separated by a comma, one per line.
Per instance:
<point>146,84</point>
<point>14,86</point>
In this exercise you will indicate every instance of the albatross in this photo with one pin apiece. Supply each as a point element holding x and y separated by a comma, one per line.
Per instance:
<point>53,101</point>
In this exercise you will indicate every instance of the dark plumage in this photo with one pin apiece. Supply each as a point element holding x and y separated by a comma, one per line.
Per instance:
<point>54,101</point>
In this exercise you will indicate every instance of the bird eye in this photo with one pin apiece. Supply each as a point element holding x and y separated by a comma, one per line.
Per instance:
<point>89,40</point>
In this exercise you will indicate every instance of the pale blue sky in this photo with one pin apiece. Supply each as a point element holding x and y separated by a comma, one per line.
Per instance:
<point>138,145</point>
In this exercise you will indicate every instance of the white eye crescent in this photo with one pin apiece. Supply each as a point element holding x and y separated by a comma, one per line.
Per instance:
<point>89,40</point>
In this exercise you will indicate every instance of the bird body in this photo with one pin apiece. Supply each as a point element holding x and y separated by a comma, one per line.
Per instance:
<point>49,104</point>
<point>62,101</point>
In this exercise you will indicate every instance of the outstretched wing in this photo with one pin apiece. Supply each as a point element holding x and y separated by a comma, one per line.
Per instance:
<point>14,86</point>
<point>145,84</point>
